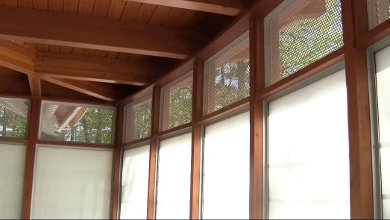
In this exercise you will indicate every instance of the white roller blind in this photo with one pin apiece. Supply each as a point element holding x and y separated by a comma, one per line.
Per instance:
<point>308,152</point>
<point>383,87</point>
<point>72,183</point>
<point>174,178</point>
<point>226,169</point>
<point>12,162</point>
<point>135,178</point>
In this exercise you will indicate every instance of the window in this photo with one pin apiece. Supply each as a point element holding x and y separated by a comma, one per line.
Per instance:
<point>12,162</point>
<point>300,32</point>
<point>13,118</point>
<point>226,169</point>
<point>383,91</point>
<point>76,123</point>
<point>177,103</point>
<point>308,152</point>
<point>135,179</point>
<point>227,75</point>
<point>378,11</point>
<point>174,178</point>
<point>138,119</point>
<point>72,183</point>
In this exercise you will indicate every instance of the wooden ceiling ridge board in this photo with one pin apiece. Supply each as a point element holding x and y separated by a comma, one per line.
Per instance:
<point>23,59</point>
<point>223,7</point>
<point>44,27</point>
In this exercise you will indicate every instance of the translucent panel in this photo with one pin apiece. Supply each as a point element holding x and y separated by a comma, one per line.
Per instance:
<point>383,81</point>
<point>378,11</point>
<point>300,32</point>
<point>76,123</point>
<point>72,183</point>
<point>135,178</point>
<point>308,152</point>
<point>174,178</point>
<point>386,208</point>
<point>12,162</point>
<point>226,169</point>
<point>138,120</point>
<point>177,103</point>
<point>385,168</point>
<point>14,118</point>
<point>227,75</point>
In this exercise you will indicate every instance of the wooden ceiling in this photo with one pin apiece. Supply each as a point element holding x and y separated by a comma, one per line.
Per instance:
<point>102,49</point>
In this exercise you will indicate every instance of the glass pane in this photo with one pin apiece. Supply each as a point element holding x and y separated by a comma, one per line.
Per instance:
<point>138,120</point>
<point>308,152</point>
<point>177,105</point>
<point>135,178</point>
<point>72,183</point>
<point>174,178</point>
<point>299,33</point>
<point>12,162</point>
<point>227,75</point>
<point>14,118</point>
<point>76,123</point>
<point>226,169</point>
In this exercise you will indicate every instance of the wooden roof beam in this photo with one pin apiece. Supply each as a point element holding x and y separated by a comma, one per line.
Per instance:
<point>22,59</point>
<point>224,7</point>
<point>108,70</point>
<point>34,26</point>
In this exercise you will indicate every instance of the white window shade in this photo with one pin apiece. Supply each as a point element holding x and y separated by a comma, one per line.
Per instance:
<point>383,90</point>
<point>226,171</point>
<point>135,178</point>
<point>308,152</point>
<point>174,178</point>
<point>72,183</point>
<point>12,162</point>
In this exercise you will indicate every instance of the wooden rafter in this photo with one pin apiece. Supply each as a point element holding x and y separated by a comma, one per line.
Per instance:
<point>28,25</point>
<point>108,70</point>
<point>23,59</point>
<point>224,7</point>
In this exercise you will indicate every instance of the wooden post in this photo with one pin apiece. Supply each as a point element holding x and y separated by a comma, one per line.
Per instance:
<point>355,21</point>
<point>30,157</point>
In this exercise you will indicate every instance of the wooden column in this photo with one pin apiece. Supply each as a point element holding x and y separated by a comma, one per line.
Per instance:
<point>153,153</point>
<point>196,162</point>
<point>30,157</point>
<point>116,182</point>
<point>355,23</point>
<point>257,83</point>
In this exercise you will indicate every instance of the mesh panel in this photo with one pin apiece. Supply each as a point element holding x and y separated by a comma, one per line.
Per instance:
<point>76,123</point>
<point>227,75</point>
<point>300,34</point>
<point>378,11</point>
<point>177,105</point>
<point>13,118</point>
<point>138,120</point>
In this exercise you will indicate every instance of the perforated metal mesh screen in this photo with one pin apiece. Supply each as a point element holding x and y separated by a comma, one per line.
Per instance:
<point>76,123</point>
<point>14,117</point>
<point>378,11</point>
<point>300,32</point>
<point>177,103</point>
<point>227,75</point>
<point>138,120</point>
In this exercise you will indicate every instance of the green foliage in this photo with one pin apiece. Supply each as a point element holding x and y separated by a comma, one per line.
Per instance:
<point>12,125</point>
<point>94,127</point>
<point>143,121</point>
<point>180,107</point>
<point>231,84</point>
<point>309,40</point>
